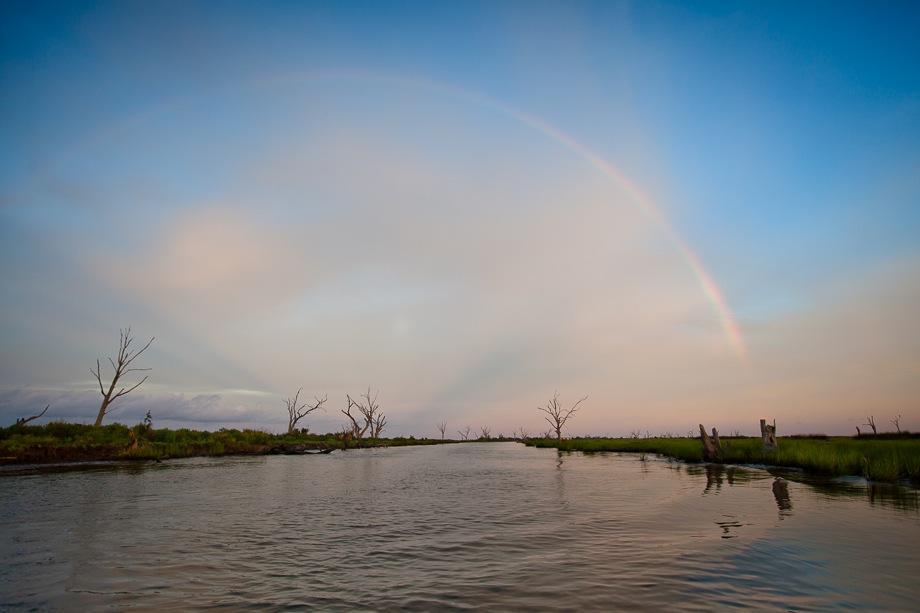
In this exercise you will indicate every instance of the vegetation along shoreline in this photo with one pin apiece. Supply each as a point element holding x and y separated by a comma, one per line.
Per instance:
<point>883,458</point>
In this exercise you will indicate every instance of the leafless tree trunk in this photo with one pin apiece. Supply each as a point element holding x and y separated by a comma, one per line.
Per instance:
<point>24,420</point>
<point>556,416</point>
<point>122,366</point>
<point>485,432</point>
<point>357,429</point>
<point>870,421</point>
<point>442,427</point>
<point>768,434</point>
<point>548,434</point>
<point>523,434</point>
<point>380,422</point>
<point>896,422</point>
<point>370,410</point>
<point>465,433</point>
<point>297,411</point>
<point>712,447</point>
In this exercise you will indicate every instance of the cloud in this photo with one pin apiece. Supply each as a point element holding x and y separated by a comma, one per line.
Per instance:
<point>466,272</point>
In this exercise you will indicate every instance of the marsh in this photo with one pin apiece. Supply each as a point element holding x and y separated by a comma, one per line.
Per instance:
<point>452,527</point>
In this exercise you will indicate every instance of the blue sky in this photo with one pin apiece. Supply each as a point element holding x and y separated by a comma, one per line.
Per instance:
<point>352,184</point>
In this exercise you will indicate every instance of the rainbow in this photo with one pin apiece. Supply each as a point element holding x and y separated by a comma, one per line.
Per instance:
<point>635,193</point>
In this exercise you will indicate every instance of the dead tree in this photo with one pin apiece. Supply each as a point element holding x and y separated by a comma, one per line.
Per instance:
<point>380,422</point>
<point>896,422</point>
<point>523,434</point>
<point>122,366</point>
<point>357,428</point>
<point>556,416</point>
<point>712,447</point>
<point>870,421</point>
<point>442,427</point>
<point>768,435</point>
<point>485,433</point>
<point>297,411</point>
<point>465,433</point>
<point>370,411</point>
<point>548,434</point>
<point>24,420</point>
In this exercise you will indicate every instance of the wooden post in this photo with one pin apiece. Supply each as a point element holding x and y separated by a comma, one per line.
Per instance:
<point>712,447</point>
<point>768,435</point>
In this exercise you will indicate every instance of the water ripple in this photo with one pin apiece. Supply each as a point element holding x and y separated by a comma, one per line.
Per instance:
<point>457,527</point>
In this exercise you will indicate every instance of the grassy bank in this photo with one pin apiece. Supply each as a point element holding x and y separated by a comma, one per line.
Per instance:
<point>65,442</point>
<point>874,458</point>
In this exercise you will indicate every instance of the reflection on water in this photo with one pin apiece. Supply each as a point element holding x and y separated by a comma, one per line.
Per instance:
<point>455,526</point>
<point>781,494</point>
<point>881,494</point>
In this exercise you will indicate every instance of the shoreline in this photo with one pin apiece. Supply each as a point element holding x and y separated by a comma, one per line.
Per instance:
<point>64,443</point>
<point>882,460</point>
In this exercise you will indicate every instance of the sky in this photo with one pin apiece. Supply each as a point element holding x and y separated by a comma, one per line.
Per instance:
<point>688,212</point>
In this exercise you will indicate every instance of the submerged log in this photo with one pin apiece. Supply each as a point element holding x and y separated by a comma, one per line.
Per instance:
<point>768,434</point>
<point>712,447</point>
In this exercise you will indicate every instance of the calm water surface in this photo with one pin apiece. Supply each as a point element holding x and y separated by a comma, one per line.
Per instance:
<point>472,526</point>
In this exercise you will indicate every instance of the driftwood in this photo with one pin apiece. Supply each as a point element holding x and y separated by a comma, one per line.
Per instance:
<point>768,434</point>
<point>712,447</point>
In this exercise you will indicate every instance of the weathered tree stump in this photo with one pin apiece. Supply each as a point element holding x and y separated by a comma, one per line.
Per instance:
<point>712,448</point>
<point>768,435</point>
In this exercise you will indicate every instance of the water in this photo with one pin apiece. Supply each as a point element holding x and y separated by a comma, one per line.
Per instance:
<point>471,526</point>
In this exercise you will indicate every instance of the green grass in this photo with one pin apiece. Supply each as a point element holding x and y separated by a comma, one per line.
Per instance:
<point>875,459</point>
<point>66,442</point>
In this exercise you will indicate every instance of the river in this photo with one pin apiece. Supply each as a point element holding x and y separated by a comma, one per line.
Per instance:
<point>461,526</point>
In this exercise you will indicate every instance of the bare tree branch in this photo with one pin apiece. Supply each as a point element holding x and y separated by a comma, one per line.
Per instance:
<point>24,420</point>
<point>357,429</point>
<point>124,392</point>
<point>297,411</point>
<point>380,422</point>
<point>897,423</point>
<point>556,415</point>
<point>370,411</point>
<point>442,426</point>
<point>120,365</point>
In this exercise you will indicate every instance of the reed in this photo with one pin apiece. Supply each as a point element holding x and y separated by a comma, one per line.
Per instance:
<point>875,459</point>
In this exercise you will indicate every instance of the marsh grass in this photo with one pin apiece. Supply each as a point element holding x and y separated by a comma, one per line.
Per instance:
<point>63,442</point>
<point>876,459</point>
